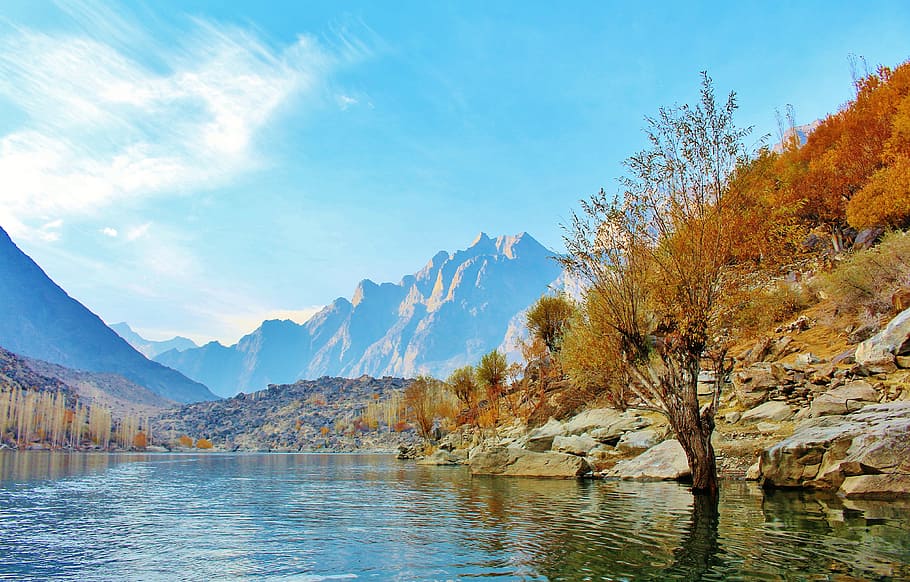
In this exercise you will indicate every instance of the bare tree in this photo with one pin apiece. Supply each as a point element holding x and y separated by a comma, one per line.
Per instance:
<point>658,259</point>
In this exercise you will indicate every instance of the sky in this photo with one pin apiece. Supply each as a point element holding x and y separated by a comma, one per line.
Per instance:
<point>196,167</point>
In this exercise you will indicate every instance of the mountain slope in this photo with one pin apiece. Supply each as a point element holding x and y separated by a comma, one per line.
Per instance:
<point>39,320</point>
<point>446,315</point>
<point>151,348</point>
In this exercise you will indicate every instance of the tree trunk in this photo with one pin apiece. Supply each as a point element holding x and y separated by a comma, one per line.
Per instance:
<point>693,430</point>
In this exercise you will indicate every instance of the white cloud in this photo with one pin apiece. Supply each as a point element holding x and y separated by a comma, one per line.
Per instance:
<point>138,232</point>
<point>346,101</point>
<point>101,125</point>
<point>108,231</point>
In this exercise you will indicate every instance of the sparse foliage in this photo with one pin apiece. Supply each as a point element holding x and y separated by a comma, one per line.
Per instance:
<point>549,318</point>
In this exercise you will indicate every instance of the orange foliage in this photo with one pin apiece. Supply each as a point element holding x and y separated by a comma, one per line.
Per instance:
<point>185,441</point>
<point>853,168</point>
<point>203,444</point>
<point>140,441</point>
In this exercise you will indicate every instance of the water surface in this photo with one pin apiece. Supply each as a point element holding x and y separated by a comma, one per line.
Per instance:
<point>323,517</point>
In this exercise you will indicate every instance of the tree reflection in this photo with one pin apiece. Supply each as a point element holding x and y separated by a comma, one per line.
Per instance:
<point>698,554</point>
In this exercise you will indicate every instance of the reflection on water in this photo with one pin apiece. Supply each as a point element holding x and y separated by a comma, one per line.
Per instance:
<point>308,517</point>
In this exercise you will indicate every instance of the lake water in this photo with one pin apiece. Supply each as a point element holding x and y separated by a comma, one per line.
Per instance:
<point>327,517</point>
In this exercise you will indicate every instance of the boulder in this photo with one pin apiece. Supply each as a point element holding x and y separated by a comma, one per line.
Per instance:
<point>773,411</point>
<point>847,398</point>
<point>663,462</point>
<point>732,417</point>
<point>521,463</point>
<point>574,444</point>
<point>610,432</point>
<point>591,419</point>
<point>638,441</point>
<point>541,438</point>
<point>822,453</point>
<point>752,384</point>
<point>877,353</point>
<point>885,486</point>
<point>439,457</point>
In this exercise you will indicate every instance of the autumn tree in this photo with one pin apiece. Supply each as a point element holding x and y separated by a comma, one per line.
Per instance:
<point>548,319</point>
<point>419,399</point>
<point>658,261</point>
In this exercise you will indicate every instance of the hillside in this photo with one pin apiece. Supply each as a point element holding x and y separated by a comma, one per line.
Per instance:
<point>308,415</point>
<point>39,320</point>
<point>456,308</point>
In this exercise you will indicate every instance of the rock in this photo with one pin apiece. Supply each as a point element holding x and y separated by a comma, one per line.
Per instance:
<point>574,444</point>
<point>663,462</point>
<point>638,441</point>
<point>847,398</point>
<point>867,237</point>
<point>751,385</point>
<point>886,486</point>
<point>732,417</point>
<point>541,439</point>
<point>805,360</point>
<point>439,457</point>
<point>521,463</point>
<point>407,452</point>
<point>769,349</point>
<point>753,473</point>
<point>767,427</point>
<point>823,452</point>
<point>902,361</point>
<point>591,419</point>
<point>623,423</point>
<point>900,300</point>
<point>848,357</point>
<point>773,410</point>
<point>877,353</point>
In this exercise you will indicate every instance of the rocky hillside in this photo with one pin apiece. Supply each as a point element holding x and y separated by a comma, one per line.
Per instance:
<point>39,320</point>
<point>309,415</point>
<point>456,308</point>
<point>151,348</point>
<point>121,396</point>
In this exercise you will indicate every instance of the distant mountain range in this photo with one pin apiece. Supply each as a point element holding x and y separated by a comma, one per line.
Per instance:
<point>151,348</point>
<point>456,308</point>
<point>39,320</point>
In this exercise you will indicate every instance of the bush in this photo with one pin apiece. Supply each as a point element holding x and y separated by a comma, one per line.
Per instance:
<point>864,283</point>
<point>203,444</point>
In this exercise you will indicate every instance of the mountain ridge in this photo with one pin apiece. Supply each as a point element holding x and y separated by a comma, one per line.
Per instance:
<point>445,315</point>
<point>38,319</point>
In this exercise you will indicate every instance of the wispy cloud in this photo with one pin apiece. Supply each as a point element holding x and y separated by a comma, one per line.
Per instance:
<point>102,123</point>
<point>109,231</point>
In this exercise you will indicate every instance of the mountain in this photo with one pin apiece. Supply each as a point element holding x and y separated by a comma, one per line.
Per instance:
<point>456,308</point>
<point>121,396</point>
<point>151,348</point>
<point>39,320</point>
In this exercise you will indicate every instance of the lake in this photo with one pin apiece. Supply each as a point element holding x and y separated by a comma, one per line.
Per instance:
<point>327,517</point>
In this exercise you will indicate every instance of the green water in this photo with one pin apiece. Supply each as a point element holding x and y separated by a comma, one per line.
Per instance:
<point>323,517</point>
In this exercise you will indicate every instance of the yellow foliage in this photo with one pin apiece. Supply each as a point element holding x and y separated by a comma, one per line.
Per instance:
<point>185,441</point>
<point>140,441</point>
<point>203,444</point>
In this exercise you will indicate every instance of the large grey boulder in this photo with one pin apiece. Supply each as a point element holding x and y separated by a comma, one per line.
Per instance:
<point>521,463</point>
<point>592,419</point>
<point>848,398</point>
<point>663,462</point>
<point>574,444</point>
<point>877,353</point>
<point>769,411</point>
<point>824,452</point>
<point>541,438</point>
<point>638,441</point>
<point>610,432</point>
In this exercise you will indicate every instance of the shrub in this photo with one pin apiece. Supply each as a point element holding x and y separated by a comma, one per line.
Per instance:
<point>203,444</point>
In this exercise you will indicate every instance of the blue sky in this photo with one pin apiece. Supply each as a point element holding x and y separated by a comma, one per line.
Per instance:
<point>196,167</point>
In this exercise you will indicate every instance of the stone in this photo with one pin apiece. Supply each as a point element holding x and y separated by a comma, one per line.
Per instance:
<point>845,399</point>
<point>767,427</point>
<point>574,444</point>
<point>732,417</point>
<point>823,452</point>
<point>753,473</point>
<point>806,359</point>
<point>848,357</point>
<point>773,411</point>
<point>900,300</point>
<point>638,441</point>
<point>885,486</point>
<point>663,462</point>
<point>439,457</point>
<point>752,385</point>
<point>867,237</point>
<point>877,353</point>
<point>513,462</point>
<point>541,438</point>
<point>902,361</point>
<point>611,432</point>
